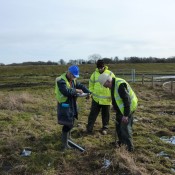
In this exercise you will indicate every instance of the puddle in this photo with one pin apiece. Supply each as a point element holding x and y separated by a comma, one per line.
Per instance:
<point>163,154</point>
<point>26,152</point>
<point>168,112</point>
<point>167,139</point>
<point>173,170</point>
<point>106,164</point>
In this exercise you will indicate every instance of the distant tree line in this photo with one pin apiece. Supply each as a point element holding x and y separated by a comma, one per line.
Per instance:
<point>149,60</point>
<point>93,58</point>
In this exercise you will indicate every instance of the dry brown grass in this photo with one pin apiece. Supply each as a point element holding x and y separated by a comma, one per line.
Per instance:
<point>15,101</point>
<point>127,162</point>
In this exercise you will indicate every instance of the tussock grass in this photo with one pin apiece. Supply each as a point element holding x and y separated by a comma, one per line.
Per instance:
<point>15,101</point>
<point>127,163</point>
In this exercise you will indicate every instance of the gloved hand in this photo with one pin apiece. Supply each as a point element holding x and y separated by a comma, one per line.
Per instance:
<point>125,119</point>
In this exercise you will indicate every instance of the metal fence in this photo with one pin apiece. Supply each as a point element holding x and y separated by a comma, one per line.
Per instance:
<point>167,82</point>
<point>127,74</point>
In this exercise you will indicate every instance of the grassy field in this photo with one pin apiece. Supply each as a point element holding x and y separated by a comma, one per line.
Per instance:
<point>28,120</point>
<point>12,76</point>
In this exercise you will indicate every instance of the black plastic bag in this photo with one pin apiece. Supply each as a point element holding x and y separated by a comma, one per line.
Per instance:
<point>64,114</point>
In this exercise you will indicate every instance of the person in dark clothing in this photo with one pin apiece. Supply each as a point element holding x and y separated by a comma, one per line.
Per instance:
<point>66,89</point>
<point>124,102</point>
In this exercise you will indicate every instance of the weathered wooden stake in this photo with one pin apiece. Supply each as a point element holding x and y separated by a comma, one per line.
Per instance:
<point>172,87</point>
<point>143,79</point>
<point>153,81</point>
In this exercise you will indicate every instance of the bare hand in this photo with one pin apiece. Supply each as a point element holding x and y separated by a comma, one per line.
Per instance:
<point>79,91</point>
<point>125,119</point>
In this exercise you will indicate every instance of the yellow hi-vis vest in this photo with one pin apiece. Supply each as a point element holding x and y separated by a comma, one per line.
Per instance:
<point>119,101</point>
<point>100,94</point>
<point>59,96</point>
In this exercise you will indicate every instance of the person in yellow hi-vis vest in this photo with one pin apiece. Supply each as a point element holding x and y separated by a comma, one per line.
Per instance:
<point>124,102</point>
<point>66,90</point>
<point>101,99</point>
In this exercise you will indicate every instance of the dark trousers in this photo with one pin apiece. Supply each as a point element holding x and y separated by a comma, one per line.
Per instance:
<point>66,128</point>
<point>124,131</point>
<point>95,109</point>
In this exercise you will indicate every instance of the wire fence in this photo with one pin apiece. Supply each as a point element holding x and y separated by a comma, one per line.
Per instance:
<point>167,82</point>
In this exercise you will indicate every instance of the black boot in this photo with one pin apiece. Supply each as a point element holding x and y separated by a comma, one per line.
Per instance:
<point>65,136</point>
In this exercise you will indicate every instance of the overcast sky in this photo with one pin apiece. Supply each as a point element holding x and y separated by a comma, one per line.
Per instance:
<point>42,30</point>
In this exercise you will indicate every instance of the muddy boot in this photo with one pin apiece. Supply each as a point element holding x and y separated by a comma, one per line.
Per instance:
<point>65,136</point>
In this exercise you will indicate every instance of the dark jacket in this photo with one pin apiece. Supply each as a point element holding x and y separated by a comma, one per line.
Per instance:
<point>122,90</point>
<point>71,93</point>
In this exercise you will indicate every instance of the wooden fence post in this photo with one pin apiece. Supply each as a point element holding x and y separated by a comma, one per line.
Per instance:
<point>143,79</point>
<point>153,81</point>
<point>172,86</point>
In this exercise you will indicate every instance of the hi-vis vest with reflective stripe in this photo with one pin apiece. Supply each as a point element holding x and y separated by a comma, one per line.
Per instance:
<point>119,101</point>
<point>100,94</point>
<point>59,96</point>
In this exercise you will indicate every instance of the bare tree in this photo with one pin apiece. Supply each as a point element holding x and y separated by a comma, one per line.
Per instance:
<point>116,59</point>
<point>80,61</point>
<point>62,62</point>
<point>94,57</point>
<point>73,62</point>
